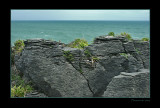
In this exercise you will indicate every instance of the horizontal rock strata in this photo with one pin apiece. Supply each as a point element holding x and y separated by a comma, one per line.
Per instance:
<point>60,71</point>
<point>133,85</point>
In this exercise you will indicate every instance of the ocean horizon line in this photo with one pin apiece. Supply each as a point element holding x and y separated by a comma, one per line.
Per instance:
<point>82,20</point>
<point>68,30</point>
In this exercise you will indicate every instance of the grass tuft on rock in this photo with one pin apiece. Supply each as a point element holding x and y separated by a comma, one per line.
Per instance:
<point>126,55</point>
<point>128,36</point>
<point>145,39</point>
<point>19,46</point>
<point>16,49</point>
<point>18,87</point>
<point>20,91</point>
<point>111,34</point>
<point>78,43</point>
<point>69,57</point>
<point>87,53</point>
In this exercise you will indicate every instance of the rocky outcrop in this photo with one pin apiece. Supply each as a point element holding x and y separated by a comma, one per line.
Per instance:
<point>143,50</point>
<point>116,54</point>
<point>60,71</point>
<point>134,85</point>
<point>43,63</point>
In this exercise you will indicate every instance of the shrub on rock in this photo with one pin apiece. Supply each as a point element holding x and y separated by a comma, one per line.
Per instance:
<point>111,33</point>
<point>16,50</point>
<point>145,39</point>
<point>128,36</point>
<point>19,45</point>
<point>78,43</point>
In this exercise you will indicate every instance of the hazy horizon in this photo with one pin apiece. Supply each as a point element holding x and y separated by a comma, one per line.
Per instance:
<point>79,20</point>
<point>81,15</point>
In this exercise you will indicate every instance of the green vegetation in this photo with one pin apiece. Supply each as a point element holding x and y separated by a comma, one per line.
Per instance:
<point>17,79</point>
<point>145,39</point>
<point>138,52</point>
<point>128,36</point>
<point>87,53</point>
<point>78,43</point>
<point>81,71</point>
<point>16,49</point>
<point>111,34</point>
<point>18,46</point>
<point>95,59</point>
<point>125,55</point>
<point>69,57</point>
<point>19,89</point>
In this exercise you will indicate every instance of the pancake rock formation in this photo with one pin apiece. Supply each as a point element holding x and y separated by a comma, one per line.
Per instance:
<point>95,71</point>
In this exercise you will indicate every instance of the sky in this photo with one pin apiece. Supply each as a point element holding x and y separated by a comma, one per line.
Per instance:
<point>133,15</point>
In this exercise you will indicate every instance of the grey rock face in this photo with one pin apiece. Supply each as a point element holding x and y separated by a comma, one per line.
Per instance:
<point>133,64</point>
<point>144,52</point>
<point>101,75</point>
<point>105,48</point>
<point>51,73</point>
<point>77,55</point>
<point>129,47</point>
<point>35,94</point>
<point>135,85</point>
<point>43,62</point>
<point>105,38</point>
<point>110,62</point>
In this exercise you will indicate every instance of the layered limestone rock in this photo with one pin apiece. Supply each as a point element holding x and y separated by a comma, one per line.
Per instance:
<point>143,49</point>
<point>134,85</point>
<point>44,64</point>
<point>116,54</point>
<point>60,71</point>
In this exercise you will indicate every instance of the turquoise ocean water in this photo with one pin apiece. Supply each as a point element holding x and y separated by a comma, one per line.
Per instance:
<point>67,31</point>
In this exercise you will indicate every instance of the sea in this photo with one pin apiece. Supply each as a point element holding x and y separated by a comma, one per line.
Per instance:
<point>68,31</point>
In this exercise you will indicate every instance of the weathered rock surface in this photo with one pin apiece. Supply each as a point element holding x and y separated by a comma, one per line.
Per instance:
<point>110,63</point>
<point>143,49</point>
<point>43,62</point>
<point>50,72</point>
<point>35,94</point>
<point>132,85</point>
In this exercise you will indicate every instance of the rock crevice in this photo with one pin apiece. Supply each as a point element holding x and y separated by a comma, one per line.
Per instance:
<point>44,61</point>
